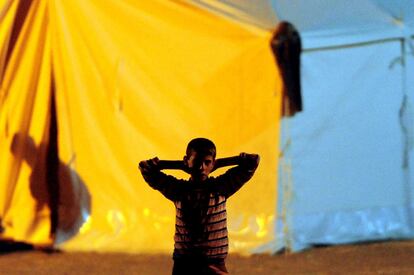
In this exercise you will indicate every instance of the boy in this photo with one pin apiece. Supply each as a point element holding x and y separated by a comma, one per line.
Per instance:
<point>201,242</point>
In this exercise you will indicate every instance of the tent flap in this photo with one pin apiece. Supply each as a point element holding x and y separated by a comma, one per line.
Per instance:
<point>24,134</point>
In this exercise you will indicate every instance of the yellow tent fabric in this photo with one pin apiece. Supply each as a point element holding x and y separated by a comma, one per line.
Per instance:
<point>24,118</point>
<point>134,80</point>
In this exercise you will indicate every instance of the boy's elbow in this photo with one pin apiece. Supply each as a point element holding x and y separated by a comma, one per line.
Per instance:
<point>251,161</point>
<point>256,159</point>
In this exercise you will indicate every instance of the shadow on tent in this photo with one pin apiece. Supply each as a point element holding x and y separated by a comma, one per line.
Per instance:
<point>60,188</point>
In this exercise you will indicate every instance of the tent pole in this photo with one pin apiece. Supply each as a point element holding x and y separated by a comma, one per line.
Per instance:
<point>406,122</point>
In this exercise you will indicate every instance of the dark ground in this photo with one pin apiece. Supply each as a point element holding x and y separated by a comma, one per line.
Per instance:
<point>394,257</point>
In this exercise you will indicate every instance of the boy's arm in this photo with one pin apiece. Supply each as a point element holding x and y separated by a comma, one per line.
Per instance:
<point>230,161</point>
<point>179,164</point>
<point>168,185</point>
<point>173,164</point>
<point>231,181</point>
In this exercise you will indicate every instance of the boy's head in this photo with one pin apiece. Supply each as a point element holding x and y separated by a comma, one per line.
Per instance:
<point>200,158</point>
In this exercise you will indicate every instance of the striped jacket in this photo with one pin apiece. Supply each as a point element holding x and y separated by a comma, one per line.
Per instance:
<point>201,219</point>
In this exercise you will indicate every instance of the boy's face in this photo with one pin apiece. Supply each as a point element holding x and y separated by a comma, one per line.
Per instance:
<point>200,165</point>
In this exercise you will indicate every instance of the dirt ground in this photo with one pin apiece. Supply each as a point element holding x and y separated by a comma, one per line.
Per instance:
<point>395,257</point>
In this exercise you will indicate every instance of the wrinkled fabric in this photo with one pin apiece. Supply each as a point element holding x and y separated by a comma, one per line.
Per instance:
<point>132,80</point>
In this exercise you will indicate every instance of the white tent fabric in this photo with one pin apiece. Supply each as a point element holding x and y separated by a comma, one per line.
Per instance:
<point>346,166</point>
<point>351,149</point>
<point>347,150</point>
<point>325,23</point>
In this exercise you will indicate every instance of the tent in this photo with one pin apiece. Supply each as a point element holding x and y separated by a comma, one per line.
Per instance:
<point>346,161</point>
<point>345,171</point>
<point>350,151</point>
<point>90,88</point>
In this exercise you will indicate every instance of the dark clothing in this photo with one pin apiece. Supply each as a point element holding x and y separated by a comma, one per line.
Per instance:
<point>201,218</point>
<point>198,267</point>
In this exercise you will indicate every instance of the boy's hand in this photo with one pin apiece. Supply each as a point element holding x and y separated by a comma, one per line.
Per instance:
<point>147,165</point>
<point>185,168</point>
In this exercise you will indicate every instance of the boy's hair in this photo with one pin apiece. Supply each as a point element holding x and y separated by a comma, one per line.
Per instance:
<point>202,146</point>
